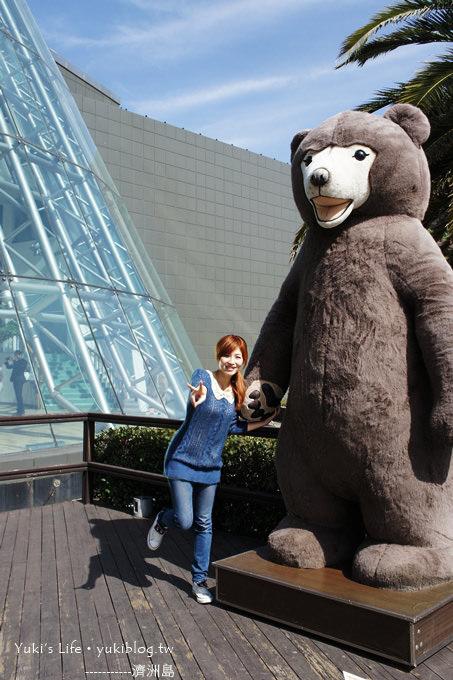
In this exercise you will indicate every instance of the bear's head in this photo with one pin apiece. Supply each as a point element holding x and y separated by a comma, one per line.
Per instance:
<point>362,164</point>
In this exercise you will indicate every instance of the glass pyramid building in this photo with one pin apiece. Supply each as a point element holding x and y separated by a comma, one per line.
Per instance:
<point>78,296</point>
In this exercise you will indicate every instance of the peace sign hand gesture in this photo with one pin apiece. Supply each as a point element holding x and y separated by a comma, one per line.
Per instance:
<point>198,394</point>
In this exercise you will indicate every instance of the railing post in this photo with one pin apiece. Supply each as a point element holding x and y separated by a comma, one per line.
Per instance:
<point>88,447</point>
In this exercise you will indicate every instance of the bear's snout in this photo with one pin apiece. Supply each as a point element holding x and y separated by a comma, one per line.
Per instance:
<point>319,177</point>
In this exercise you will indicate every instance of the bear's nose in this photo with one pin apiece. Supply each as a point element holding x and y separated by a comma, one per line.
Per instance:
<point>319,177</point>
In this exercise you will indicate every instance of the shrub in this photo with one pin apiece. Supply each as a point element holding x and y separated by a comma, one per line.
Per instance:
<point>248,463</point>
<point>137,448</point>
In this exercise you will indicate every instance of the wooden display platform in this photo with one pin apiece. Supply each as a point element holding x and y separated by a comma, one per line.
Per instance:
<point>405,627</point>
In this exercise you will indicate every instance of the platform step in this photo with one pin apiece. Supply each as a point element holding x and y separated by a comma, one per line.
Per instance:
<point>405,627</point>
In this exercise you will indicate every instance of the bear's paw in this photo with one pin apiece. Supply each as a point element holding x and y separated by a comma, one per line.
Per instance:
<point>261,400</point>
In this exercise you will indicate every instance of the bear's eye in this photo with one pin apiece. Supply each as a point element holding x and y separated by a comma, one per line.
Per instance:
<point>307,160</point>
<point>360,155</point>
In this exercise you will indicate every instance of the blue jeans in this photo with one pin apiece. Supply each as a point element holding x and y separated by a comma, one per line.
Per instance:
<point>192,508</point>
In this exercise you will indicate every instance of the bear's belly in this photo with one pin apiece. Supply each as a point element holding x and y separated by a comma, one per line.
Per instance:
<point>357,374</point>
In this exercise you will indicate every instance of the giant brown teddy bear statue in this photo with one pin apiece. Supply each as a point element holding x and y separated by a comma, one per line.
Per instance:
<point>362,334</point>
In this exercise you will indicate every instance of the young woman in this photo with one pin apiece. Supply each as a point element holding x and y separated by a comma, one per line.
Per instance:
<point>194,457</point>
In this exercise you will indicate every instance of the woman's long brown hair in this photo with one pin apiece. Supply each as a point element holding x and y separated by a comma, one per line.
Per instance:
<point>226,346</point>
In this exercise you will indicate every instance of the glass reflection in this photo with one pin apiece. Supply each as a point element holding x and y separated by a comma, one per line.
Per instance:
<point>30,440</point>
<point>78,299</point>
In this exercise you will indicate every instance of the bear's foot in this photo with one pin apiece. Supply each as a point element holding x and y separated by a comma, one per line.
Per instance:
<point>402,567</point>
<point>296,543</point>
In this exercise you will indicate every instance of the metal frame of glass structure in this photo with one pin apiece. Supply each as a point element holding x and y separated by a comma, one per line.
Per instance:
<point>76,295</point>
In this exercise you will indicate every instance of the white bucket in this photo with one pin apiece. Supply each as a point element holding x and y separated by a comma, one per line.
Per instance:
<point>143,506</point>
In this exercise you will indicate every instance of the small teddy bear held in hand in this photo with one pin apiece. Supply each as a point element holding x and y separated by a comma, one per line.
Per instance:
<point>362,335</point>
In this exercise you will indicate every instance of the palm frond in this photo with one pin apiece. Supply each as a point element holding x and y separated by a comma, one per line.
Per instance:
<point>409,35</point>
<point>439,217</point>
<point>424,22</point>
<point>382,98</point>
<point>427,89</point>
<point>439,151</point>
<point>428,81</point>
<point>400,12</point>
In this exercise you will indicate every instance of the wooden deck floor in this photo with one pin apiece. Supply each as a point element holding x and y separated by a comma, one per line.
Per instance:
<point>81,596</point>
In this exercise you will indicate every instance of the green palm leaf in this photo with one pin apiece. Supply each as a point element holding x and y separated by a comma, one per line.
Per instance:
<point>360,45</point>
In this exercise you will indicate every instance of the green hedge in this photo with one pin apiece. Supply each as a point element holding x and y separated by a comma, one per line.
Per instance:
<point>248,462</point>
<point>137,448</point>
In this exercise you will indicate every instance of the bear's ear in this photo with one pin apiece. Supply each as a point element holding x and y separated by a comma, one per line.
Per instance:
<point>298,137</point>
<point>412,120</point>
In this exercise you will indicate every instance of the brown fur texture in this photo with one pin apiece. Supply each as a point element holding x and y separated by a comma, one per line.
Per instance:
<point>362,334</point>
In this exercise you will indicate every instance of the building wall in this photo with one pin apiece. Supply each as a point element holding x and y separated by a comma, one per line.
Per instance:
<point>217,221</point>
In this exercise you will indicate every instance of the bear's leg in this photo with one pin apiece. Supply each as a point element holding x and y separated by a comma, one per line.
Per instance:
<point>402,567</point>
<point>298,543</point>
<point>409,525</point>
<point>320,529</point>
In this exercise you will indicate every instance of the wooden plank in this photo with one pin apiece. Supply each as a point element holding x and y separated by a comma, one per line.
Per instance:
<point>10,632</point>
<point>225,652</point>
<point>225,545</point>
<point>306,611</point>
<point>441,663</point>
<point>244,659</point>
<point>158,627</point>
<point>361,664</point>
<point>81,550</point>
<point>50,664</point>
<point>266,649</point>
<point>353,662</point>
<point>6,553</point>
<point>366,666</point>
<point>28,663</point>
<point>433,630</point>
<point>300,654</point>
<point>176,591</point>
<point>3,524</point>
<point>183,662</point>
<point>246,652</point>
<point>73,665</point>
<point>339,657</point>
<point>122,583</point>
<point>95,583</point>
<point>10,527</point>
<point>239,662</point>
<point>133,571</point>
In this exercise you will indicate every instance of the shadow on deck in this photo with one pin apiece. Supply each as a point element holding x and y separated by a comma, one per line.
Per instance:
<point>81,596</point>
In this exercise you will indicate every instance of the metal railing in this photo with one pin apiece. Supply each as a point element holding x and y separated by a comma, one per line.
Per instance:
<point>89,467</point>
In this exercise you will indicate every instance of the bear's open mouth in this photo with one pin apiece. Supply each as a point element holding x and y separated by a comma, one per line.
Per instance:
<point>328,208</point>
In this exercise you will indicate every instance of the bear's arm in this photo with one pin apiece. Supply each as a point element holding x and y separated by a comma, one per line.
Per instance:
<point>424,280</point>
<point>269,367</point>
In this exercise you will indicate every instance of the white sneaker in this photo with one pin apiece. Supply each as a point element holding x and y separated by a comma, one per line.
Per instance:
<point>201,593</point>
<point>155,534</point>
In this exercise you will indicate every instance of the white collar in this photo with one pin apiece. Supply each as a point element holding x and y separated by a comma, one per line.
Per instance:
<point>227,394</point>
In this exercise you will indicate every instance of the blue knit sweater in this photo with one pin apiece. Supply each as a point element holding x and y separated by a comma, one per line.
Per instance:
<point>195,452</point>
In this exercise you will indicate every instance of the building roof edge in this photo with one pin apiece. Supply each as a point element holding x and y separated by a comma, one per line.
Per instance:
<point>61,61</point>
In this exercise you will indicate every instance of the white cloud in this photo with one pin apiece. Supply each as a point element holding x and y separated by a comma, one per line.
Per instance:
<point>189,100</point>
<point>166,30</point>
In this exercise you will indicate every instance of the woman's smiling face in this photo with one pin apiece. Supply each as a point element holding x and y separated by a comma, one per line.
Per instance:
<point>231,364</point>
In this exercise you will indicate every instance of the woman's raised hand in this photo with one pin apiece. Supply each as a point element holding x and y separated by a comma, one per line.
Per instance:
<point>198,394</point>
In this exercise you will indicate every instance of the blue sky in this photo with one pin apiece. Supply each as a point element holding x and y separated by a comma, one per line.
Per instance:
<point>247,72</point>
